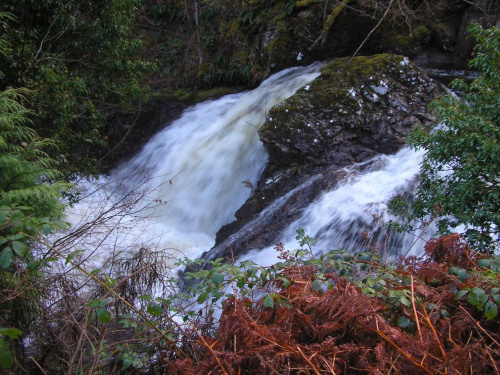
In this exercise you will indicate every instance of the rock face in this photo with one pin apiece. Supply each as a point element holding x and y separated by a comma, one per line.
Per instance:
<point>349,114</point>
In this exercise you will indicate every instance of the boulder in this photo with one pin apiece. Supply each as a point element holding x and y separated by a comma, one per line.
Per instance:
<point>352,112</point>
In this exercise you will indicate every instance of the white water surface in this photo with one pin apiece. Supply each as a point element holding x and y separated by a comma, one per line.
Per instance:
<point>359,204</point>
<point>187,181</point>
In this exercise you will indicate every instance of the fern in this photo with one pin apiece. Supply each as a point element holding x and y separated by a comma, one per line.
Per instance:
<point>30,186</point>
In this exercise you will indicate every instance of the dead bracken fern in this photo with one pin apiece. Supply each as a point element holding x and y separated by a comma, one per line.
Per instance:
<point>341,330</point>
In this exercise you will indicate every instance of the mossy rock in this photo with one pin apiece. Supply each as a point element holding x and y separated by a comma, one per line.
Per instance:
<point>352,112</point>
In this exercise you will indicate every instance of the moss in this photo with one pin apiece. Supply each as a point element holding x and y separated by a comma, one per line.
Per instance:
<point>193,96</point>
<point>331,18</point>
<point>306,3</point>
<point>405,44</point>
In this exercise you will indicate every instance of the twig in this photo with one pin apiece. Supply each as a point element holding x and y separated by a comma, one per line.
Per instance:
<point>414,308</point>
<point>38,365</point>
<point>371,32</point>
<point>308,360</point>
<point>479,325</point>
<point>433,330</point>
<point>112,291</point>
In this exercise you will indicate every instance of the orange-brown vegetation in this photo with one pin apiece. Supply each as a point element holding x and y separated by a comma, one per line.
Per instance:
<point>342,330</point>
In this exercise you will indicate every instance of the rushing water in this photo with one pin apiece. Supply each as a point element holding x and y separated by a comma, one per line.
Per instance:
<point>187,181</point>
<point>190,175</point>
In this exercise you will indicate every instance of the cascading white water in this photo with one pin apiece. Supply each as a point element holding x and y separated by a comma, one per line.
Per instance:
<point>191,174</point>
<point>338,218</point>
<point>194,169</point>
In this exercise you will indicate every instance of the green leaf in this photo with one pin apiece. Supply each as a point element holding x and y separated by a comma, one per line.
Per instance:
<point>241,282</point>
<point>103,302</point>
<point>404,322</point>
<point>73,255</point>
<point>154,309</point>
<point>473,299</point>
<point>268,302</point>
<point>103,315</point>
<point>462,275</point>
<point>12,333</point>
<point>405,301</point>
<point>6,257</point>
<point>202,297</point>
<point>2,240</point>
<point>93,303</point>
<point>145,296</point>
<point>496,298</point>
<point>218,278</point>
<point>6,359</point>
<point>127,362</point>
<point>462,293</point>
<point>485,262</point>
<point>46,229</point>
<point>317,285</point>
<point>286,282</point>
<point>490,310</point>
<point>21,248</point>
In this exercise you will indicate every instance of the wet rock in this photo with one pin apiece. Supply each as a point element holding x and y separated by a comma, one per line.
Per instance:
<point>347,115</point>
<point>350,113</point>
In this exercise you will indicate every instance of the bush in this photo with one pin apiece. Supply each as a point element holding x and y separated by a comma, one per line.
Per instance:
<point>460,180</point>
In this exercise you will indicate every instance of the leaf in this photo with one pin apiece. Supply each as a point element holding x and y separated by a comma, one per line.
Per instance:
<point>20,248</point>
<point>154,309</point>
<point>2,240</point>
<point>6,359</point>
<point>485,263</point>
<point>218,278</point>
<point>462,293</point>
<point>405,301</point>
<point>103,302</point>
<point>286,282</point>
<point>46,229</point>
<point>145,296</point>
<point>93,303</point>
<point>6,257</point>
<point>202,297</point>
<point>126,363</point>
<point>241,282</point>
<point>73,255</point>
<point>490,310</point>
<point>403,322</point>
<point>268,302</point>
<point>12,333</point>
<point>103,315</point>
<point>317,285</point>
<point>462,274</point>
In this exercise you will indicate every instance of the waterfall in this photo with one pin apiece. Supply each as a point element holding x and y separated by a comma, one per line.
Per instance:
<point>339,218</point>
<point>187,182</point>
<point>190,175</point>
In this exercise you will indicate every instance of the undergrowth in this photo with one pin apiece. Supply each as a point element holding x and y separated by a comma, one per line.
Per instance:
<point>336,314</point>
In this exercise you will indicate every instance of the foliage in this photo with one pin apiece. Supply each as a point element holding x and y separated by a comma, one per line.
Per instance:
<point>344,314</point>
<point>461,167</point>
<point>82,65</point>
<point>196,43</point>
<point>29,207</point>
<point>29,187</point>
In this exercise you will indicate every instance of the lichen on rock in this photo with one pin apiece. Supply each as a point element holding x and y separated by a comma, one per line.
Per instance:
<point>352,112</point>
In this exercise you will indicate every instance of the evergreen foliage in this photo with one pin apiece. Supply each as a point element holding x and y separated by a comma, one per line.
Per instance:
<point>460,182</point>
<point>83,65</point>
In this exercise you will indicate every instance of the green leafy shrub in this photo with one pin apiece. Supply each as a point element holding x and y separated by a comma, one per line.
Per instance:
<point>460,172</point>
